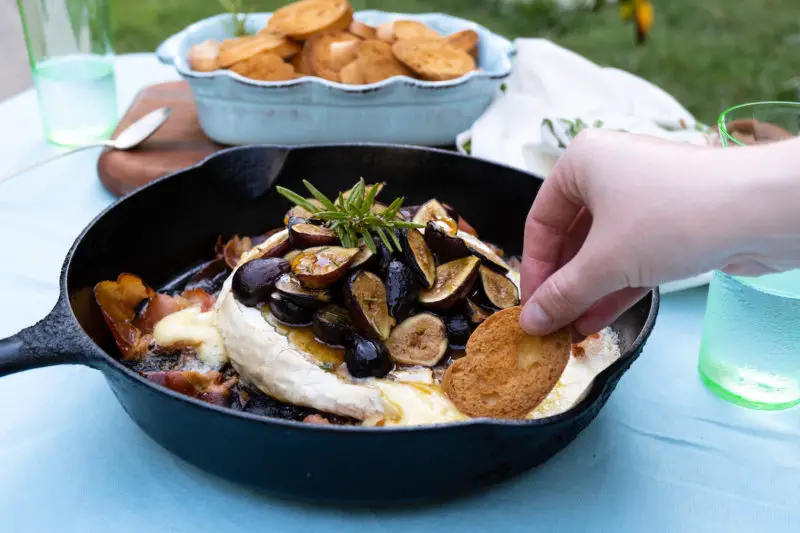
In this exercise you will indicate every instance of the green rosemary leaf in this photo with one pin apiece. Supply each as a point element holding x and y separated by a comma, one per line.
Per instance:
<point>297,199</point>
<point>332,215</point>
<point>395,240</point>
<point>384,238</point>
<point>319,196</point>
<point>406,224</point>
<point>393,209</point>
<point>355,197</point>
<point>369,241</point>
<point>370,199</point>
<point>352,237</point>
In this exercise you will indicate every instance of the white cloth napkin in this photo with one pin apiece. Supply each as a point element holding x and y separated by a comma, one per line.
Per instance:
<point>528,125</point>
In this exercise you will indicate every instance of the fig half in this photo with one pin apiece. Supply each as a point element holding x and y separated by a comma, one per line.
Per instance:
<point>332,325</point>
<point>291,288</point>
<point>401,289</point>
<point>365,298</point>
<point>454,281</point>
<point>255,280</point>
<point>320,267</point>
<point>487,256</point>
<point>475,313</point>
<point>442,241</point>
<point>500,291</point>
<point>419,340</point>
<point>304,234</point>
<point>418,256</point>
<point>430,210</point>
<point>289,312</point>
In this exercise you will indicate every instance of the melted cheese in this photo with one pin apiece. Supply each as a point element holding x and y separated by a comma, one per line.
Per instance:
<point>415,404</point>
<point>191,327</point>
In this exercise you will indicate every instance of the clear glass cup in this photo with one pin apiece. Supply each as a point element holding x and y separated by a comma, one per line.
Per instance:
<point>750,350</point>
<point>69,48</point>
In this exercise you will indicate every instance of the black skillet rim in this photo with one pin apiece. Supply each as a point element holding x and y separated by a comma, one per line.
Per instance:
<point>599,384</point>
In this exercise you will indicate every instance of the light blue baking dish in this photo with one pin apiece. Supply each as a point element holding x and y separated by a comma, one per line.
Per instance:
<point>235,110</point>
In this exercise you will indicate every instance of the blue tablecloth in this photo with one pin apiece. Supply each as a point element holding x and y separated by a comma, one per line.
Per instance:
<point>664,454</point>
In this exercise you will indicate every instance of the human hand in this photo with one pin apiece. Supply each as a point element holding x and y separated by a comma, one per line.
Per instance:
<point>621,213</point>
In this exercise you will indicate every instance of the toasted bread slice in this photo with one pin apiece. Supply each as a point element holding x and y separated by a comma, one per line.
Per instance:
<point>203,57</point>
<point>326,53</point>
<point>300,66</point>
<point>433,59</point>
<point>363,31</point>
<point>466,40</point>
<point>378,63</point>
<point>265,66</point>
<point>352,73</point>
<point>301,20</point>
<point>412,29</point>
<point>506,373</point>
<point>236,50</point>
<point>385,32</point>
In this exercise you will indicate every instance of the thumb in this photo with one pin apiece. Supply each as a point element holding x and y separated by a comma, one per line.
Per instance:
<point>569,292</point>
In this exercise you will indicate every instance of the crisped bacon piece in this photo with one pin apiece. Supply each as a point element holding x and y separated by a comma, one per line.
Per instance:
<point>132,309</point>
<point>198,297</point>
<point>207,386</point>
<point>119,301</point>
<point>234,249</point>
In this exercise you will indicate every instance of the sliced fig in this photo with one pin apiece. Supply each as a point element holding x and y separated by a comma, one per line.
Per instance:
<point>500,291</point>
<point>291,289</point>
<point>365,298</point>
<point>384,256</point>
<point>443,242</point>
<point>401,289</point>
<point>288,312</point>
<point>320,267</point>
<point>431,210</point>
<point>276,245</point>
<point>291,255</point>
<point>363,258</point>
<point>454,281</point>
<point>301,212</point>
<point>418,256</point>
<point>458,331</point>
<point>332,325</point>
<point>475,313</point>
<point>303,234</point>
<point>419,340</point>
<point>481,250</point>
<point>254,281</point>
<point>367,358</point>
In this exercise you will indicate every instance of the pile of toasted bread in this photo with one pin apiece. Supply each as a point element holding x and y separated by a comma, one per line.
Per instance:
<point>321,38</point>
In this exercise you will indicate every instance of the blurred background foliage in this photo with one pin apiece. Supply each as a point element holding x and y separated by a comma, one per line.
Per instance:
<point>709,54</point>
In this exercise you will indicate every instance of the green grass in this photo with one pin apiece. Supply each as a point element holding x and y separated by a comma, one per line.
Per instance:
<point>709,54</point>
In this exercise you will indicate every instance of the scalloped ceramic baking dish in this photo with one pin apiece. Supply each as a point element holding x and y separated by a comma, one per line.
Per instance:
<point>236,110</point>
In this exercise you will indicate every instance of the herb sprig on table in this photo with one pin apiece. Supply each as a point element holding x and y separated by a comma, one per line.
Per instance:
<point>352,217</point>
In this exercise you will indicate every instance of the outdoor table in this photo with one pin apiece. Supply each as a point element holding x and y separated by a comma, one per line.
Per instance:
<point>663,455</point>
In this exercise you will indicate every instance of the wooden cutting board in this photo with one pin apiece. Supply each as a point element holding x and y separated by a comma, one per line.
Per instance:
<point>179,143</point>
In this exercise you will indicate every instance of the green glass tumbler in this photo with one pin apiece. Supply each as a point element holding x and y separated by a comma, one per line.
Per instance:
<point>69,49</point>
<point>750,349</point>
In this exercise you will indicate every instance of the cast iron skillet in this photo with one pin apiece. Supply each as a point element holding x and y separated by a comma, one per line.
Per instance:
<point>172,224</point>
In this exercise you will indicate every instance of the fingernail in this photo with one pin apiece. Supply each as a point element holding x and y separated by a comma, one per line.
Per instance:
<point>534,319</point>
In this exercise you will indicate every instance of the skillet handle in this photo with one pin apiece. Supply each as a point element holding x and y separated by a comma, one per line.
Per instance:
<point>54,340</point>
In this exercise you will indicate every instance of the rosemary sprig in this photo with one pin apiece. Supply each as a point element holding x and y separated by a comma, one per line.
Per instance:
<point>238,14</point>
<point>352,218</point>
